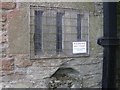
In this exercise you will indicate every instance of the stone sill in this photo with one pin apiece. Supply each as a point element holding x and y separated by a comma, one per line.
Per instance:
<point>60,57</point>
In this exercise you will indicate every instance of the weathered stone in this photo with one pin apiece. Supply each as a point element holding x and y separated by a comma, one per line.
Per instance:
<point>16,21</point>
<point>0,66</point>
<point>3,39</point>
<point>13,77</point>
<point>37,73</point>
<point>65,77</point>
<point>7,64</point>
<point>3,25</point>
<point>18,31</point>
<point>20,85</point>
<point>7,5</point>
<point>3,55</point>
<point>21,71</point>
<point>41,83</point>
<point>92,81</point>
<point>4,73</point>
<point>23,63</point>
<point>1,85</point>
<point>4,17</point>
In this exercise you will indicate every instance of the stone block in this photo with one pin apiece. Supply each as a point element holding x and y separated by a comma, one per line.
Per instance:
<point>92,81</point>
<point>3,39</point>
<point>21,84</point>
<point>18,32</point>
<point>3,17</point>
<point>4,73</point>
<point>7,64</point>
<point>23,63</point>
<point>7,5</point>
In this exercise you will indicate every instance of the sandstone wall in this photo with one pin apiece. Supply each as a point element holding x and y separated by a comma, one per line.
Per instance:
<point>18,71</point>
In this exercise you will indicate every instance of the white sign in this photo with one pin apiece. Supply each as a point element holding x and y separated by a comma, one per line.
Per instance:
<point>79,47</point>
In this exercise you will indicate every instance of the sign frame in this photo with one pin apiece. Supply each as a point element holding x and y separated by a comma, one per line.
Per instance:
<point>80,47</point>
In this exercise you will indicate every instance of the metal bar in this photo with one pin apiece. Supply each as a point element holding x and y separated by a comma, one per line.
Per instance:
<point>109,57</point>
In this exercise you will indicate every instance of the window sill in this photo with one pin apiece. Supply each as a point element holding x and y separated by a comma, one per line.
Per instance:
<point>38,57</point>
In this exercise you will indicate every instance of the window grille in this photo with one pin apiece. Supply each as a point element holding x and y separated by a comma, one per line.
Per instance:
<point>53,31</point>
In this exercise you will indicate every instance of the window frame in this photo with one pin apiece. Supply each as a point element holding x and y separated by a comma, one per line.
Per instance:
<point>59,55</point>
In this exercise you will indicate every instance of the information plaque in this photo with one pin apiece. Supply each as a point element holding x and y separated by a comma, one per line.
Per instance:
<point>79,47</point>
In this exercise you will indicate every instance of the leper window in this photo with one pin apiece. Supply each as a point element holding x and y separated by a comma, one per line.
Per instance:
<point>58,32</point>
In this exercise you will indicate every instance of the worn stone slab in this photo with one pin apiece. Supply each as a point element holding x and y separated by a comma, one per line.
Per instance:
<point>7,64</point>
<point>7,5</point>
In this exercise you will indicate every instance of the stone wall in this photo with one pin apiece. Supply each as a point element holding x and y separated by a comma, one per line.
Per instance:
<point>18,71</point>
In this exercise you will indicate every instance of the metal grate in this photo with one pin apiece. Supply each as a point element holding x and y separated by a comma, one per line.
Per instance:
<point>53,31</point>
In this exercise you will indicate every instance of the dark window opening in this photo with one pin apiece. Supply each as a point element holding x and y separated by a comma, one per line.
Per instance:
<point>38,32</point>
<point>78,27</point>
<point>59,32</point>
